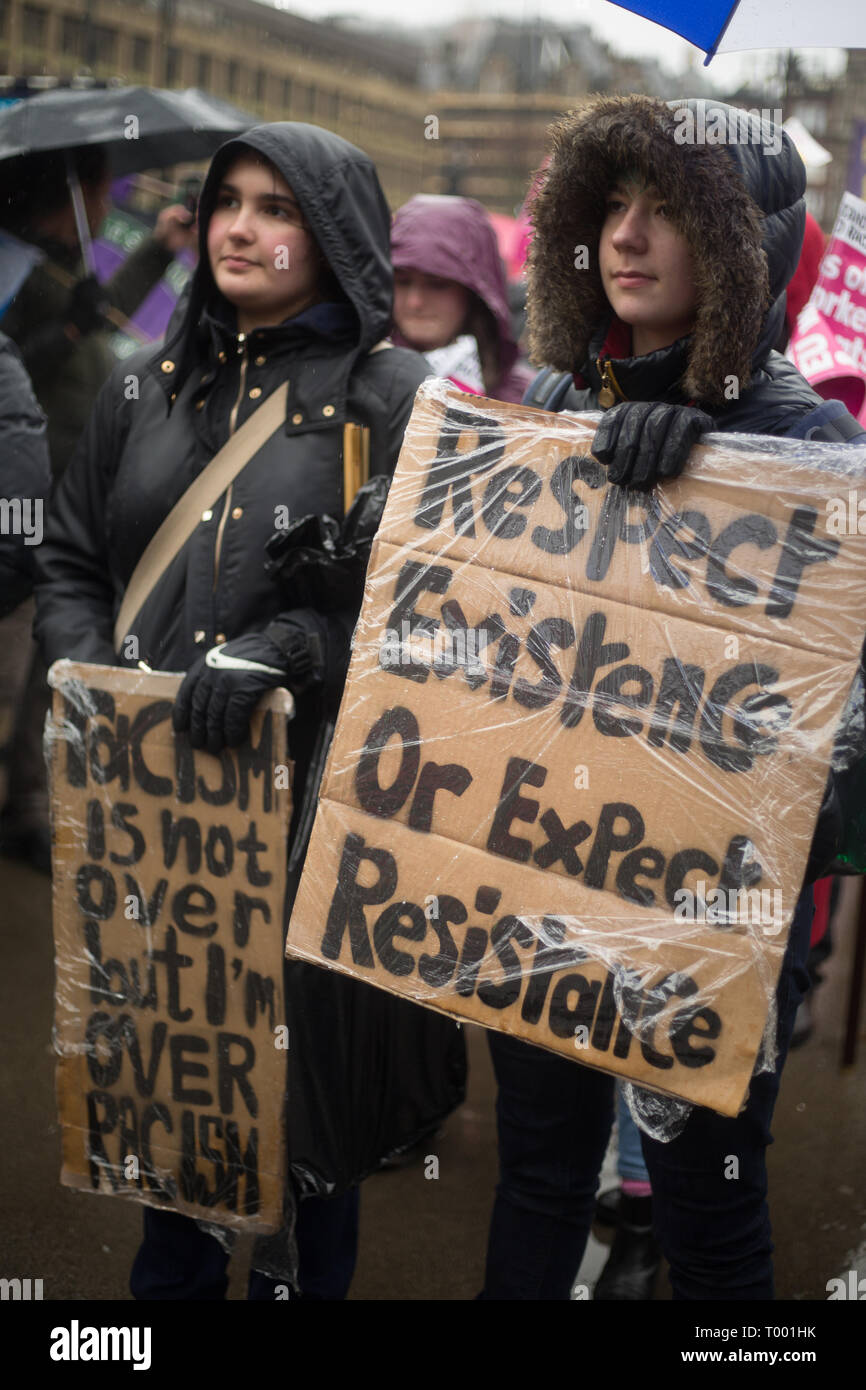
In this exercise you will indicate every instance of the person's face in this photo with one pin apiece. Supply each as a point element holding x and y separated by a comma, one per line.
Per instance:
<point>428,311</point>
<point>647,268</point>
<point>263,258</point>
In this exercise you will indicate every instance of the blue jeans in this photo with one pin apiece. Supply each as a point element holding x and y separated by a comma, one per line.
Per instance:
<point>177,1260</point>
<point>629,1161</point>
<point>554,1119</point>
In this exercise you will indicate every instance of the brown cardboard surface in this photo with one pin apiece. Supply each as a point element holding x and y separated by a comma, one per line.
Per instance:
<point>695,1001</point>
<point>623,741</point>
<point>169,881</point>
<point>726,485</point>
<point>587,761</point>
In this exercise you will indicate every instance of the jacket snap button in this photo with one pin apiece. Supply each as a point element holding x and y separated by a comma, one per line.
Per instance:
<point>199,636</point>
<point>221,356</point>
<point>220,637</point>
<point>260,361</point>
<point>255,393</point>
<point>167,366</point>
<point>237,513</point>
<point>297,418</point>
<point>199,405</point>
<point>206,516</point>
<point>328,410</point>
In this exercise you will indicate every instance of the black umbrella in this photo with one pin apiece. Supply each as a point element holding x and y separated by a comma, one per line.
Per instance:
<point>140,127</point>
<point>143,127</point>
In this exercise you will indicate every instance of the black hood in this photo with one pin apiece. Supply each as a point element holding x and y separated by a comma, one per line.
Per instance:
<point>739,204</point>
<point>338,190</point>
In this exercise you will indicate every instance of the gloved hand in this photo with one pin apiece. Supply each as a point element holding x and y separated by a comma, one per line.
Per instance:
<point>221,690</point>
<point>87,306</point>
<point>645,441</point>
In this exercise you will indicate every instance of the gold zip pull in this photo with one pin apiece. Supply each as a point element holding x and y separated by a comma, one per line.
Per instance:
<point>607,396</point>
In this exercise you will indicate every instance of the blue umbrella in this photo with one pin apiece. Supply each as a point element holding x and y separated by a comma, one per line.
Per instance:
<point>717,26</point>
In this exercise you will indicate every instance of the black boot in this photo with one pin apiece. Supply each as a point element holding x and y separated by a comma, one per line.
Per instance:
<point>607,1207</point>
<point>632,1266</point>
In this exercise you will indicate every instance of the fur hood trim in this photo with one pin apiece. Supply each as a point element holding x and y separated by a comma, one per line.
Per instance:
<point>739,205</point>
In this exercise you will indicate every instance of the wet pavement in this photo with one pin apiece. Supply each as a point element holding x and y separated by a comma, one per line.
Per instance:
<point>421,1237</point>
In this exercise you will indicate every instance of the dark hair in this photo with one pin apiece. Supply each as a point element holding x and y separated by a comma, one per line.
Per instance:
<point>35,185</point>
<point>481,323</point>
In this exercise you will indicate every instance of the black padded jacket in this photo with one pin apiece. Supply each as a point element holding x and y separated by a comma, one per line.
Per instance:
<point>162,415</point>
<point>25,478</point>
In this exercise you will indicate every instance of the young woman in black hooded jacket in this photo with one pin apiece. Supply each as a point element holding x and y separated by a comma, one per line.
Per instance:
<point>656,290</point>
<point>294,284</point>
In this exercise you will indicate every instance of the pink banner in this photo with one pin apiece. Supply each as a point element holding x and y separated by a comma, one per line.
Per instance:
<point>829,343</point>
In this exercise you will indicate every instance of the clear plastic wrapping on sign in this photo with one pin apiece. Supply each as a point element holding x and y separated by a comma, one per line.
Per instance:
<point>586,739</point>
<point>169,873</point>
<point>198,1071</point>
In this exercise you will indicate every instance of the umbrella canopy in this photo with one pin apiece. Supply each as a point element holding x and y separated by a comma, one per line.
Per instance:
<point>17,259</point>
<point>142,127</point>
<point>718,26</point>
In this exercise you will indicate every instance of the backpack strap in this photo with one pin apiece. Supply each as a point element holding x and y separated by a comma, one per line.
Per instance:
<point>830,423</point>
<point>548,390</point>
<point>202,493</point>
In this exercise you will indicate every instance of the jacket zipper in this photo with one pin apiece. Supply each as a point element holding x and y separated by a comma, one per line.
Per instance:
<point>233,420</point>
<point>610,389</point>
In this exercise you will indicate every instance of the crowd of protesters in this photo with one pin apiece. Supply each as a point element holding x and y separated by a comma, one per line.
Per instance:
<point>691,249</point>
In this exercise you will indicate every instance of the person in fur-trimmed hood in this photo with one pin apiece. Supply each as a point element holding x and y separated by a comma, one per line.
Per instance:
<point>656,290</point>
<point>735,215</point>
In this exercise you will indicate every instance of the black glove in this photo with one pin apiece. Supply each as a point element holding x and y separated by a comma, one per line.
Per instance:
<point>87,306</point>
<point>221,690</point>
<point>320,563</point>
<point>644,441</point>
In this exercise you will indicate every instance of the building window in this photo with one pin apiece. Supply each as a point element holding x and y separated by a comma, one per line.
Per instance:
<point>287,92</point>
<point>34,25</point>
<point>261,84</point>
<point>142,52</point>
<point>333,107</point>
<point>73,34</point>
<point>203,71</point>
<point>173,59</point>
<point>234,77</point>
<point>104,44</point>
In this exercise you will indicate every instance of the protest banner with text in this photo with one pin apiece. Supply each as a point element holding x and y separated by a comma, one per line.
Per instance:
<point>584,740</point>
<point>169,881</point>
<point>828,344</point>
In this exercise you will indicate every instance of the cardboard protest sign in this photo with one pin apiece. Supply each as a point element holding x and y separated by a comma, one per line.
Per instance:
<point>829,343</point>
<point>169,882</point>
<point>584,740</point>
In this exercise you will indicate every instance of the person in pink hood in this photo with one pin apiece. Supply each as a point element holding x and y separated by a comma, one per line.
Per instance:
<point>450,296</point>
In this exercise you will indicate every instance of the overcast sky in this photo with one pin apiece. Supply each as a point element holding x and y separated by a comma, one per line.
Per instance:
<point>625,32</point>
